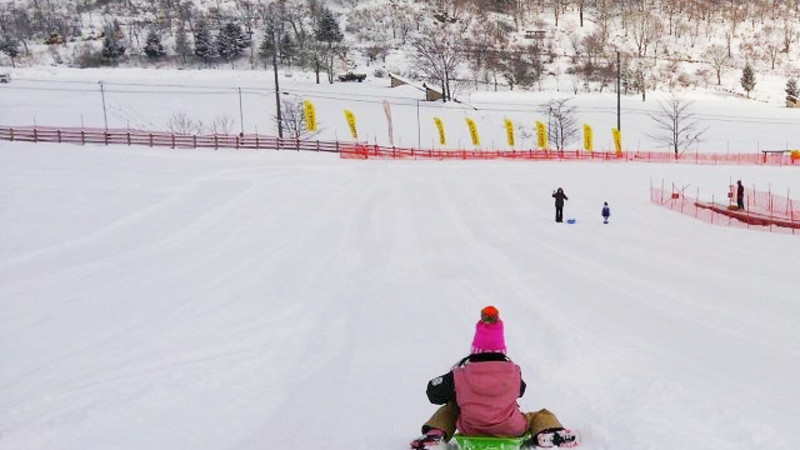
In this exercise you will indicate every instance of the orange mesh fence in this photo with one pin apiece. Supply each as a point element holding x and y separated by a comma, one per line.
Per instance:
<point>365,151</point>
<point>765,211</point>
<point>767,203</point>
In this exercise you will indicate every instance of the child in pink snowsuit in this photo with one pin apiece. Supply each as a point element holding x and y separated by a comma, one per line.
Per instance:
<point>479,396</point>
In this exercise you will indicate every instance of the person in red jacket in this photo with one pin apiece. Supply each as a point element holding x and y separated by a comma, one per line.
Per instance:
<point>479,396</point>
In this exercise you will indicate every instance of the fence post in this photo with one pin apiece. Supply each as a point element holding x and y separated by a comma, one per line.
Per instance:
<point>128,135</point>
<point>317,145</point>
<point>216,141</point>
<point>747,212</point>
<point>35,135</point>
<point>258,145</point>
<point>11,131</point>
<point>59,135</point>
<point>697,199</point>
<point>83,137</point>
<point>789,203</point>
<point>194,141</point>
<point>105,136</point>
<point>173,140</point>
<point>151,139</point>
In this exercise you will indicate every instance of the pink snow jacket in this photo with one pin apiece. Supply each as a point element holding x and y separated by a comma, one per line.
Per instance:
<point>485,387</point>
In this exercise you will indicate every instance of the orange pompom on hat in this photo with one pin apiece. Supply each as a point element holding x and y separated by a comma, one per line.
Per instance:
<point>489,336</point>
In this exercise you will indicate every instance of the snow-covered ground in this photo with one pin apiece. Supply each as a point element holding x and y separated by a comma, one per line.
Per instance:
<point>162,299</point>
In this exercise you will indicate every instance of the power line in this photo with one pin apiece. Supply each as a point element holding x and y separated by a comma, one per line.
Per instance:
<point>378,99</point>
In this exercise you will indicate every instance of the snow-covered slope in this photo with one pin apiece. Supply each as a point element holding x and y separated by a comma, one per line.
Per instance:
<point>160,299</point>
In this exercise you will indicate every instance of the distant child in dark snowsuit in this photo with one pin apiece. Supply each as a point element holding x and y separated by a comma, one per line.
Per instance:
<point>480,396</point>
<point>560,196</point>
<point>606,212</point>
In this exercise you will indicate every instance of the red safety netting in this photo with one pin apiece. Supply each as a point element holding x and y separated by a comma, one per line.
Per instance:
<point>365,151</point>
<point>765,211</point>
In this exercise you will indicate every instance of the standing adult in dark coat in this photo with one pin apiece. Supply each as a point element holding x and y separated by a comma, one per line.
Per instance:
<point>740,195</point>
<point>560,196</point>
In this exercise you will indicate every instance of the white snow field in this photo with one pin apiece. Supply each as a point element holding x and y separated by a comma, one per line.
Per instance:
<point>198,299</point>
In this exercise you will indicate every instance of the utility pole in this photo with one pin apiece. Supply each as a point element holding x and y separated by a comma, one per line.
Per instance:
<point>241,112</point>
<point>419,141</point>
<point>277,87</point>
<point>619,85</point>
<point>103,96</point>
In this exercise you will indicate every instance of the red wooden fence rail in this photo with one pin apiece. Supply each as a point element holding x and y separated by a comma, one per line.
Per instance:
<point>85,136</point>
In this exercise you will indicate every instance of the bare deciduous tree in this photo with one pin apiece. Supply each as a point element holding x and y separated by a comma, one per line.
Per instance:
<point>718,57</point>
<point>641,71</point>
<point>293,120</point>
<point>222,125</point>
<point>789,34</point>
<point>772,44</point>
<point>182,123</point>
<point>676,124</point>
<point>437,55</point>
<point>644,28</point>
<point>562,126</point>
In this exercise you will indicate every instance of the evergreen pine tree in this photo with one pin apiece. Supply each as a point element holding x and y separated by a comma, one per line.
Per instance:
<point>113,49</point>
<point>10,47</point>
<point>266,49</point>
<point>288,50</point>
<point>230,42</point>
<point>748,79</point>
<point>328,29</point>
<point>203,46</point>
<point>153,47</point>
<point>182,47</point>
<point>791,87</point>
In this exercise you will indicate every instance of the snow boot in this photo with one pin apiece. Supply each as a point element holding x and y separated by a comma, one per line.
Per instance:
<point>558,437</point>
<point>431,438</point>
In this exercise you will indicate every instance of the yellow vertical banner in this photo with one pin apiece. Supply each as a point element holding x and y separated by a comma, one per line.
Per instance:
<point>473,132</point>
<point>351,121</point>
<point>541,135</point>
<point>440,127</point>
<point>617,136</point>
<point>510,132</point>
<point>311,115</point>
<point>587,137</point>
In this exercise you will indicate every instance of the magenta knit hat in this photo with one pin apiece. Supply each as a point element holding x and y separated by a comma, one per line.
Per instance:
<point>489,333</point>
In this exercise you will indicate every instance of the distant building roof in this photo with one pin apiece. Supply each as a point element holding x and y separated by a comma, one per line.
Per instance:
<point>430,94</point>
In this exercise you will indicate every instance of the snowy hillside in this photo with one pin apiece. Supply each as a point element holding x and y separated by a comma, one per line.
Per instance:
<point>565,44</point>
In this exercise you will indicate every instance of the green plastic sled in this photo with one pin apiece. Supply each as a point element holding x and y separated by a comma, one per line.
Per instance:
<point>489,443</point>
